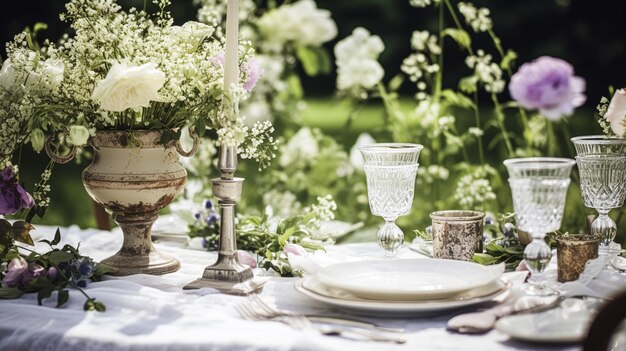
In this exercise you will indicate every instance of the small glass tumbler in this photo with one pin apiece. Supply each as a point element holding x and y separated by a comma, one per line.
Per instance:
<point>539,188</point>
<point>390,169</point>
<point>572,253</point>
<point>602,166</point>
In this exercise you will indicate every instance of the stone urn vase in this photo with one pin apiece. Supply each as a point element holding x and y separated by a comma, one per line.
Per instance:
<point>133,175</point>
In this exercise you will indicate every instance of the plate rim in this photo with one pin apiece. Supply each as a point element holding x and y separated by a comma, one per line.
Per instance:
<point>532,337</point>
<point>395,307</point>
<point>330,281</point>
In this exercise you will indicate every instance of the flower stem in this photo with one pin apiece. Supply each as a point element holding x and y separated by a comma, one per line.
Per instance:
<point>439,79</point>
<point>500,119</point>
<point>481,150</point>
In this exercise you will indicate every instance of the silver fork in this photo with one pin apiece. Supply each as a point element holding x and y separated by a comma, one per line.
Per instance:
<point>271,311</point>
<point>256,309</point>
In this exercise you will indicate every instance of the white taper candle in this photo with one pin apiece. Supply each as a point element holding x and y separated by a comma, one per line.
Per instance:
<point>231,57</point>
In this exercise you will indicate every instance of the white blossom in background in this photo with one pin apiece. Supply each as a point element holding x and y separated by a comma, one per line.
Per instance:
<point>300,23</point>
<point>433,173</point>
<point>425,41</point>
<point>486,71</point>
<point>356,158</point>
<point>301,146</point>
<point>474,189</point>
<point>283,203</point>
<point>420,66</point>
<point>478,18</point>
<point>126,86</point>
<point>324,209</point>
<point>423,3</point>
<point>356,57</point>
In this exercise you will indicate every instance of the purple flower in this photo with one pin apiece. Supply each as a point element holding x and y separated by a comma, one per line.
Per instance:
<point>254,71</point>
<point>15,272</point>
<point>245,258</point>
<point>52,273</point>
<point>294,249</point>
<point>13,196</point>
<point>34,271</point>
<point>549,85</point>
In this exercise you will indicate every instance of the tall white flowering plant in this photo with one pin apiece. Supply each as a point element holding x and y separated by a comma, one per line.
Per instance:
<point>466,141</point>
<point>123,70</point>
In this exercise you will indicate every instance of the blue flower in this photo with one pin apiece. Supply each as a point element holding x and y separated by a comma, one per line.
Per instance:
<point>212,219</point>
<point>208,204</point>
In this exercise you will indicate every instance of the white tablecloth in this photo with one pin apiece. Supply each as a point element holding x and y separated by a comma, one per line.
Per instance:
<point>154,313</point>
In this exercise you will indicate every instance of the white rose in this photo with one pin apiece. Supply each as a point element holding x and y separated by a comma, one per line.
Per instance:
<point>192,32</point>
<point>359,45</point>
<point>53,71</point>
<point>356,158</point>
<point>301,23</point>
<point>616,113</point>
<point>127,86</point>
<point>8,75</point>
<point>359,73</point>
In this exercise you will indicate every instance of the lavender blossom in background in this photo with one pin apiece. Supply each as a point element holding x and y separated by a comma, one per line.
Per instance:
<point>13,196</point>
<point>245,258</point>
<point>254,71</point>
<point>294,249</point>
<point>548,84</point>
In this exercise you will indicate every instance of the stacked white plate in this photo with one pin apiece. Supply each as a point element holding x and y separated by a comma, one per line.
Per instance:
<point>403,287</point>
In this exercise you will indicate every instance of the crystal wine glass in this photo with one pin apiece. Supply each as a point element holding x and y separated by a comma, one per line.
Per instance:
<point>390,170</point>
<point>539,187</point>
<point>602,166</point>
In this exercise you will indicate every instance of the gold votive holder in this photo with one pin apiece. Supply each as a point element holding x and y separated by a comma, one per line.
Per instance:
<point>457,234</point>
<point>573,251</point>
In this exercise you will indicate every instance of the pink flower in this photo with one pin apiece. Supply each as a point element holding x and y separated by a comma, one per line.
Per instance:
<point>245,258</point>
<point>294,249</point>
<point>15,272</point>
<point>616,113</point>
<point>251,68</point>
<point>254,71</point>
<point>548,84</point>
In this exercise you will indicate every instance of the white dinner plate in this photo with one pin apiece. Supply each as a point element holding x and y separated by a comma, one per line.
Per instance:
<point>407,279</point>
<point>315,290</point>
<point>545,327</point>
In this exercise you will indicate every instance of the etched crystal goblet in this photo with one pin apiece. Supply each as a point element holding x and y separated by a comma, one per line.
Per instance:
<point>602,167</point>
<point>539,188</point>
<point>390,169</point>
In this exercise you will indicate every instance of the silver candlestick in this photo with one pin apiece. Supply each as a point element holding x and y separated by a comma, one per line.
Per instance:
<point>227,274</point>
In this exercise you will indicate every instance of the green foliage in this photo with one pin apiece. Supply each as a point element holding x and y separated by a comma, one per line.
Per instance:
<point>58,268</point>
<point>267,236</point>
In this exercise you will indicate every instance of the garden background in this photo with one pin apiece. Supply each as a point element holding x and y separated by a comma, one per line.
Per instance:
<point>586,33</point>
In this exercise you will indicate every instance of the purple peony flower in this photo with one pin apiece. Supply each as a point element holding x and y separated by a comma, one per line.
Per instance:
<point>13,196</point>
<point>245,258</point>
<point>254,71</point>
<point>548,84</point>
<point>294,249</point>
<point>15,272</point>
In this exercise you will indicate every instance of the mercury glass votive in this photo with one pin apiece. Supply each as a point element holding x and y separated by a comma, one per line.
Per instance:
<point>573,252</point>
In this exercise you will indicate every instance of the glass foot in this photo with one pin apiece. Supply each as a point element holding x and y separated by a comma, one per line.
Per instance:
<point>539,290</point>
<point>390,238</point>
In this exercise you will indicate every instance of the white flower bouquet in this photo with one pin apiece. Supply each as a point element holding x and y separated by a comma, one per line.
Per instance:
<point>121,70</point>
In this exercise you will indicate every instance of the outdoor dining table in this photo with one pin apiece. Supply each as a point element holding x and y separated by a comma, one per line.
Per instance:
<point>145,312</point>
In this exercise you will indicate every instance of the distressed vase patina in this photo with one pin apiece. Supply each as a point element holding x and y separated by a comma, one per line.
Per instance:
<point>133,175</point>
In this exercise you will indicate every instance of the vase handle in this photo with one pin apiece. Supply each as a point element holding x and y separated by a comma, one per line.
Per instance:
<point>56,157</point>
<point>194,148</point>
